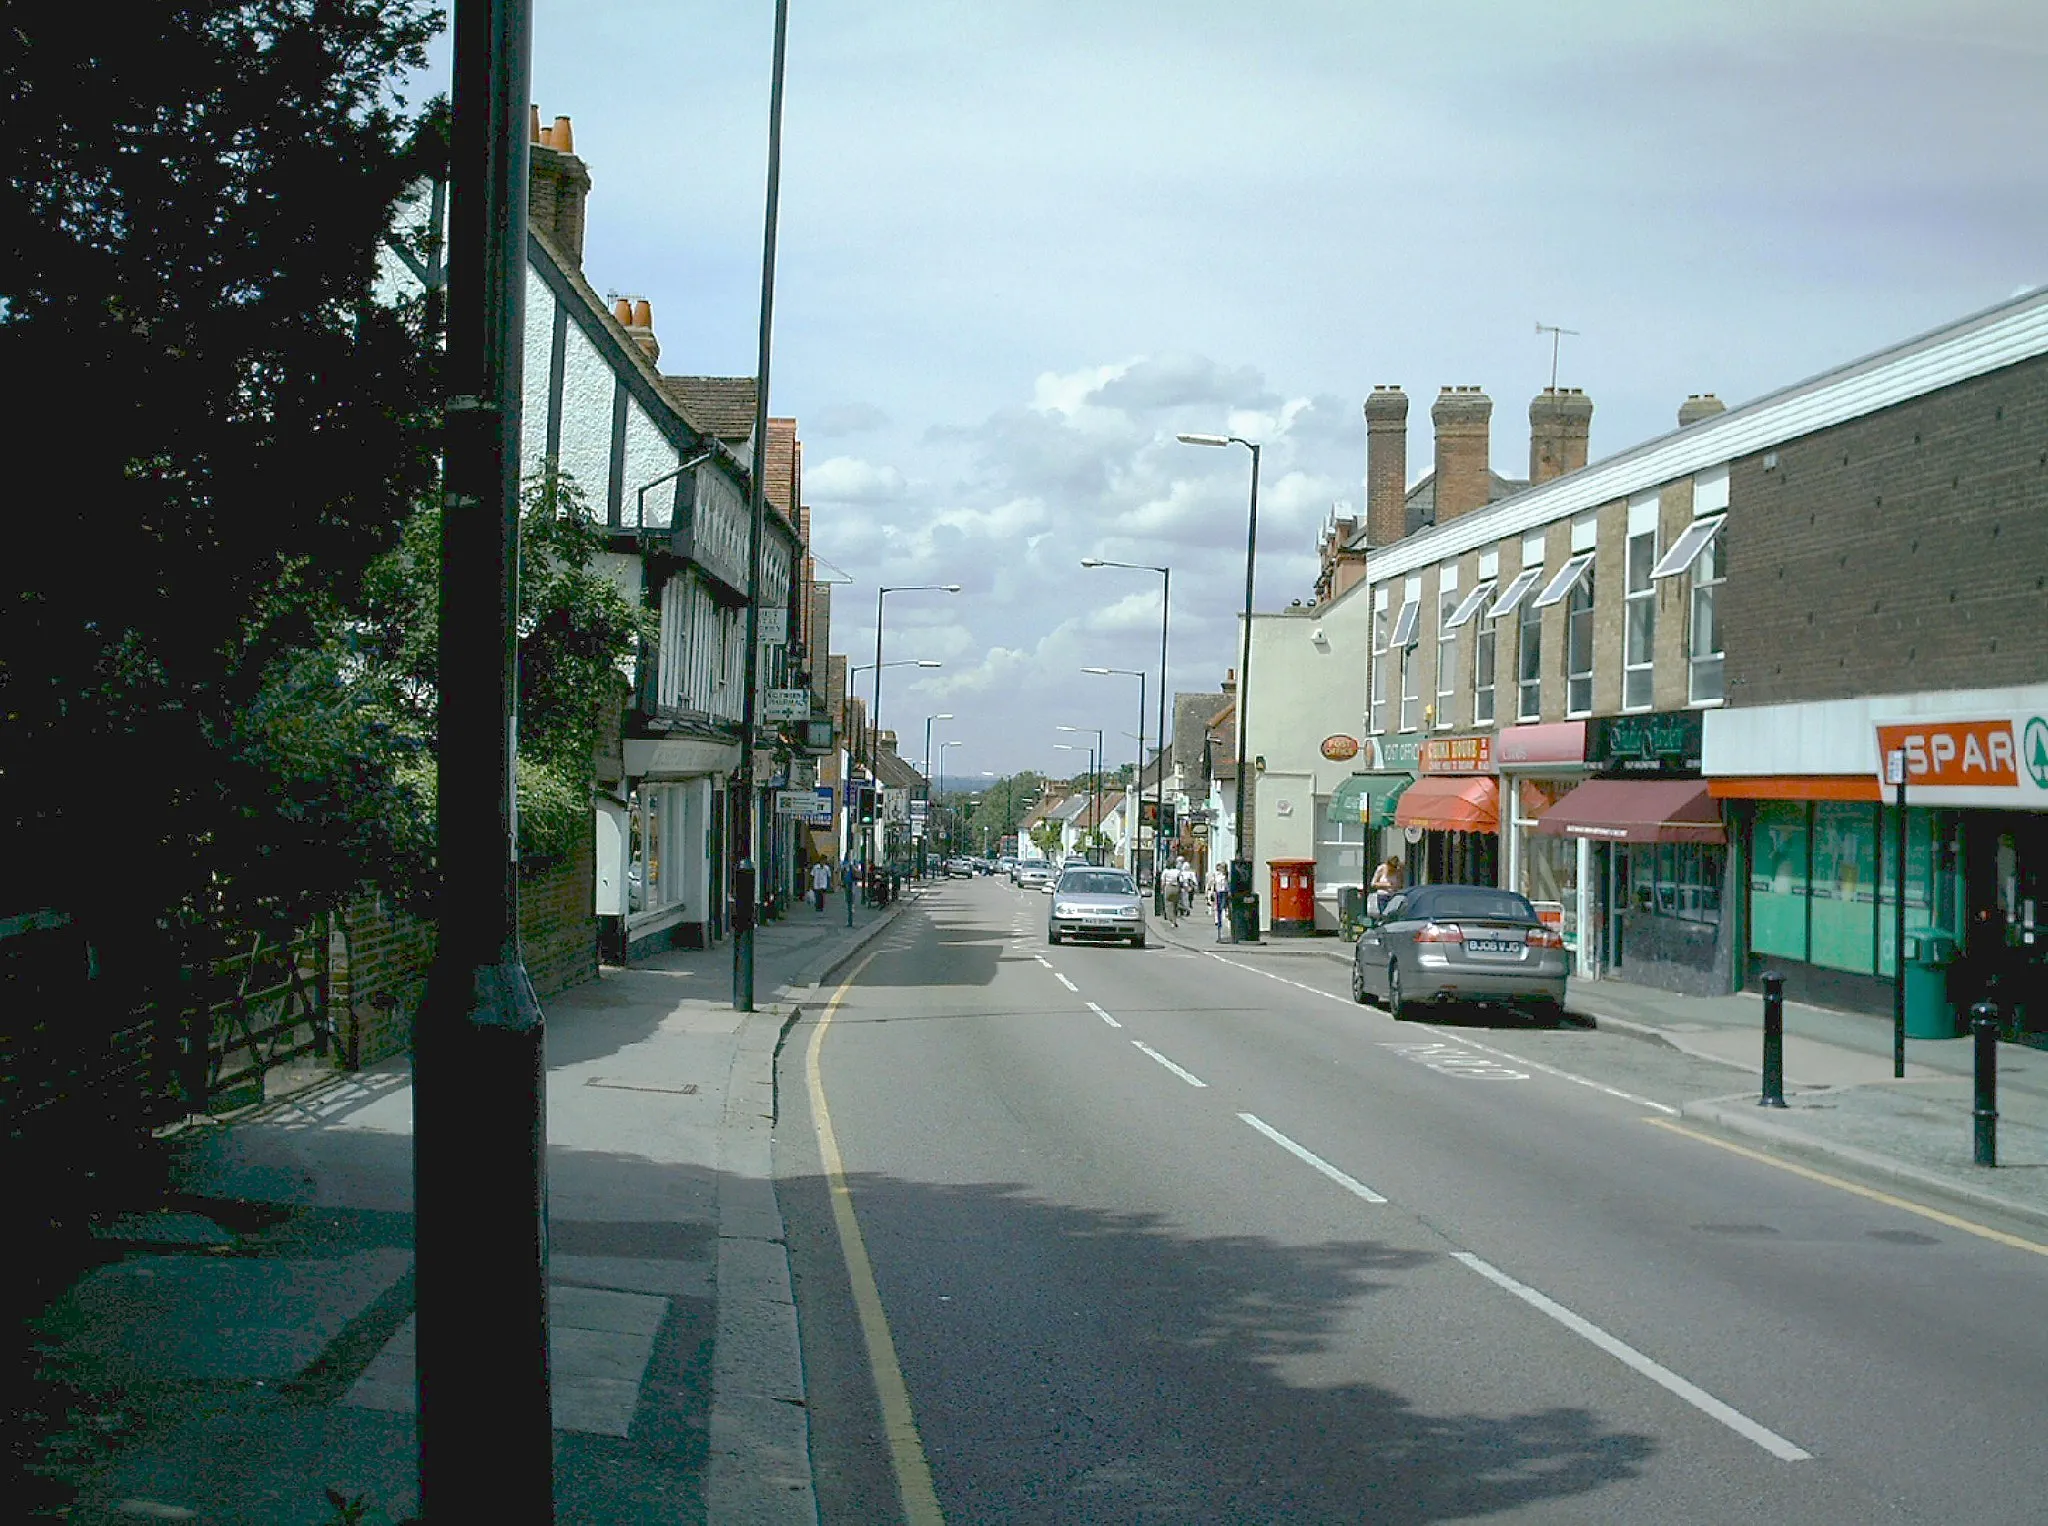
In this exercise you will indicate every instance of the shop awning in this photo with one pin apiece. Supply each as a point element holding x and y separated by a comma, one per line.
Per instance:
<point>1636,810</point>
<point>1368,798</point>
<point>1386,801</point>
<point>1447,803</point>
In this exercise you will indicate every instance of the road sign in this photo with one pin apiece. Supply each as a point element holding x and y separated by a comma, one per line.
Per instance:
<point>1198,829</point>
<point>782,706</point>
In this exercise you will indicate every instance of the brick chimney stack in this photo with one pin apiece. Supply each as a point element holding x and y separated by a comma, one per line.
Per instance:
<point>636,317</point>
<point>1701,405</point>
<point>557,184</point>
<point>1559,421</point>
<point>1464,446</point>
<point>1386,465</point>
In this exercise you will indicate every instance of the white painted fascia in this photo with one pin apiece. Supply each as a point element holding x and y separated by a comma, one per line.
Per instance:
<point>1838,736</point>
<point>1984,342</point>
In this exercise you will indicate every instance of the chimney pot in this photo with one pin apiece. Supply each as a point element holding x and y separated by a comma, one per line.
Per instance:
<point>1700,405</point>
<point>562,140</point>
<point>558,185</point>
<point>1386,465</point>
<point>623,311</point>
<point>643,314</point>
<point>533,124</point>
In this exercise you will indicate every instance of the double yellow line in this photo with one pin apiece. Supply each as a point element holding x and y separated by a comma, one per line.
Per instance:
<point>906,1448</point>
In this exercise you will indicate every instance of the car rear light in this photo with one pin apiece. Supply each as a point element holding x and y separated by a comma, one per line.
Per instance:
<point>1544,937</point>
<point>1440,932</point>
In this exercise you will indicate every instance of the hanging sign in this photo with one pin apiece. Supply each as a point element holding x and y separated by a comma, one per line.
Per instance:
<point>781,706</point>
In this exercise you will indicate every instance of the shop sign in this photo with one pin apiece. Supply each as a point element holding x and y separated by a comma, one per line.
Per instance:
<point>1958,754</point>
<point>1391,755</point>
<point>796,802</point>
<point>1340,748</point>
<point>1457,755</point>
<point>1555,742</point>
<point>780,706</point>
<point>1664,744</point>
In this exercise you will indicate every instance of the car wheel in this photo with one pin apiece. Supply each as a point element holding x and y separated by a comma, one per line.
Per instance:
<point>1139,941</point>
<point>1397,1005</point>
<point>1051,936</point>
<point>1357,983</point>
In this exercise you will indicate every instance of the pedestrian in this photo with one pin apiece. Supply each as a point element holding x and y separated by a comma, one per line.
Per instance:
<point>821,881</point>
<point>1219,892</point>
<point>1386,880</point>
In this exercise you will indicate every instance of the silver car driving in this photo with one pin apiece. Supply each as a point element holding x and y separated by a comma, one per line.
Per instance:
<point>1472,943</point>
<point>1036,874</point>
<point>1096,903</point>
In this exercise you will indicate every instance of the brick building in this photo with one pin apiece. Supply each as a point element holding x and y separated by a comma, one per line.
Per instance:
<point>1643,691</point>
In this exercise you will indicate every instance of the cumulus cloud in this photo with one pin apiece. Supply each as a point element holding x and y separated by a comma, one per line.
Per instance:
<point>837,419</point>
<point>1084,463</point>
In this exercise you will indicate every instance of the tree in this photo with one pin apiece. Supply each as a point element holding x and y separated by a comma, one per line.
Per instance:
<point>229,428</point>
<point>1003,805</point>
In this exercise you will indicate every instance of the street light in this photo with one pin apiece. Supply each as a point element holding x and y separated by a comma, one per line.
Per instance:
<point>1244,928</point>
<point>1094,770</point>
<point>1138,776</point>
<point>875,705</point>
<point>1159,789</point>
<point>926,764</point>
<point>942,768</point>
<point>862,667</point>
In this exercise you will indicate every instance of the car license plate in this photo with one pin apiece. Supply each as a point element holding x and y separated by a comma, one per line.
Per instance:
<point>1492,946</point>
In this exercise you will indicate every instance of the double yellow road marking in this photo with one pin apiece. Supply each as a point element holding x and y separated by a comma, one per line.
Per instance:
<point>899,1424</point>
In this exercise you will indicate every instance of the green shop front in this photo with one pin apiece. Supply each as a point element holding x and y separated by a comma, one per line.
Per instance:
<point>1356,828</point>
<point>1819,859</point>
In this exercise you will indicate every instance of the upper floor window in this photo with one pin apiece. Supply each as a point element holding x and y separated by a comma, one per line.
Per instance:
<point>1484,635</point>
<point>1529,662</point>
<point>1708,573</point>
<point>1639,622</point>
<point>1578,649</point>
<point>1376,716</point>
<point>1447,604</point>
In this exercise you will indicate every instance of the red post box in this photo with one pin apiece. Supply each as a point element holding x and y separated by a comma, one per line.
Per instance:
<point>1294,896</point>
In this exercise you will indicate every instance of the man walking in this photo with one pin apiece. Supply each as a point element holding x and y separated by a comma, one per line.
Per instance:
<point>821,881</point>
<point>1219,892</point>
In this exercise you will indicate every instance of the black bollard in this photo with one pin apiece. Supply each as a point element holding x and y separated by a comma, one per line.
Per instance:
<point>1984,1029</point>
<point>1774,1041</point>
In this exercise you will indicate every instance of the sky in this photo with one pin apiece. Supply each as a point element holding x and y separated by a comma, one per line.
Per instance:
<point>1023,243</point>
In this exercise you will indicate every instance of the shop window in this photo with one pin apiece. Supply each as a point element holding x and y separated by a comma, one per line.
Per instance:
<point>1639,627</point>
<point>1376,721</point>
<point>1484,636</point>
<point>1844,885</point>
<point>1446,654</point>
<point>1681,880</point>
<point>1578,649</point>
<point>1709,571</point>
<point>1340,850</point>
<point>1779,845</point>
<point>1529,662</point>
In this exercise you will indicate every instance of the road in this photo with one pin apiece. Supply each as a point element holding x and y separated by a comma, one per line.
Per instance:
<point>1186,1235</point>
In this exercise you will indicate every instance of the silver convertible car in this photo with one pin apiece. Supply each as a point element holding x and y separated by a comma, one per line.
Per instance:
<point>1096,903</point>
<point>1472,943</point>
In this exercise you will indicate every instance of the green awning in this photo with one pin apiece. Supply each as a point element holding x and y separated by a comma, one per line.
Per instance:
<point>1368,798</point>
<point>1383,803</point>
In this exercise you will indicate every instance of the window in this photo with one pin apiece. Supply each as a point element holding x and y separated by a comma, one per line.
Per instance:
<point>1411,687</point>
<point>1469,605</point>
<point>1340,849</point>
<point>1639,625</point>
<point>1709,571</point>
<point>1376,720</point>
<point>1687,547</point>
<point>1512,594</point>
<point>1529,662</point>
<point>1446,652</point>
<point>1404,626</point>
<point>1681,880</point>
<point>1578,649</point>
<point>1483,636</point>
<point>1576,571</point>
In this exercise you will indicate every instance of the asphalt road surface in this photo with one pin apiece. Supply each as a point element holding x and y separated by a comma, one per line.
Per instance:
<point>1186,1235</point>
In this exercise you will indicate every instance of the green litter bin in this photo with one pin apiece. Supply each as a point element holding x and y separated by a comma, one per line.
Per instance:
<point>1928,1013</point>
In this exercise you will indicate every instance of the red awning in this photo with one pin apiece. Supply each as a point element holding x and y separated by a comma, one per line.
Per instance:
<point>1449,803</point>
<point>1636,810</point>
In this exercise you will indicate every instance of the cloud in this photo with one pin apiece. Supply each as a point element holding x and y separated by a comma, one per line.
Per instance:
<point>848,479</point>
<point>838,419</point>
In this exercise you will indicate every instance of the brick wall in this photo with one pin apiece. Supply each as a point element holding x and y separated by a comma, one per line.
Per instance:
<point>1905,551</point>
<point>379,955</point>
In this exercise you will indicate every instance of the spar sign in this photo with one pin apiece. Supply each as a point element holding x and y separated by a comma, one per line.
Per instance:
<point>1994,760</point>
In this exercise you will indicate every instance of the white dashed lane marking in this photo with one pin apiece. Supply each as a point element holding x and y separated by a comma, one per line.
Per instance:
<point>1056,975</point>
<point>1188,1076</point>
<point>1104,1015</point>
<point>1349,1183</point>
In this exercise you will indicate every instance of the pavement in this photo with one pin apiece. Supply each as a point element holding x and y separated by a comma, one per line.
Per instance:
<point>1843,1105</point>
<point>244,1354</point>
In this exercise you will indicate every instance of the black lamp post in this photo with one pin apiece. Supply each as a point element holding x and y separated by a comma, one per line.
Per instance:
<point>875,706</point>
<point>1138,776</point>
<point>1244,926</point>
<point>1159,784</point>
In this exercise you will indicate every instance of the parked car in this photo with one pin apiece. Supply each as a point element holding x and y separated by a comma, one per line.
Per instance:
<point>1472,943</point>
<point>1096,903</point>
<point>1036,874</point>
<point>959,869</point>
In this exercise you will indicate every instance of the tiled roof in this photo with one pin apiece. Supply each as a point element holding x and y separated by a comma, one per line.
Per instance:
<point>717,405</point>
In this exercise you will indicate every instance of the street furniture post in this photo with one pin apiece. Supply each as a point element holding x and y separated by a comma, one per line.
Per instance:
<point>1774,1041</point>
<point>1984,1114</point>
<point>1895,771</point>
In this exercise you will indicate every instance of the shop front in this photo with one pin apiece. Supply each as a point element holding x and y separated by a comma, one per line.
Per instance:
<point>1450,816</point>
<point>1819,839</point>
<point>1539,765</point>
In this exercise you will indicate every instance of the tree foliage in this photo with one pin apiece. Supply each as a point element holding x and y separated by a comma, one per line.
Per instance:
<point>222,429</point>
